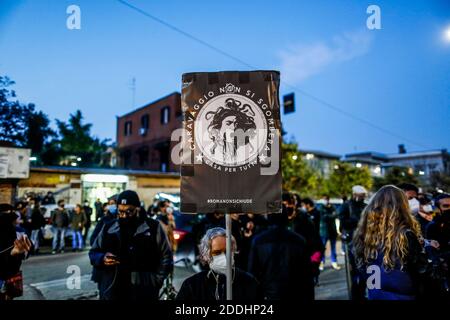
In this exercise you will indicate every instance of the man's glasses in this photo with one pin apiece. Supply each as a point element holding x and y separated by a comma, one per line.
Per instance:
<point>125,212</point>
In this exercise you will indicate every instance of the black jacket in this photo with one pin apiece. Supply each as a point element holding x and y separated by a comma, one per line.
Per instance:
<point>281,263</point>
<point>349,215</point>
<point>209,286</point>
<point>328,222</point>
<point>145,261</point>
<point>304,226</point>
<point>60,218</point>
<point>9,265</point>
<point>37,219</point>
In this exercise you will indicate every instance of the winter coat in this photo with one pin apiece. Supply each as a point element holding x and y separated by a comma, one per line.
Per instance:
<point>349,215</point>
<point>60,218</point>
<point>37,219</point>
<point>145,260</point>
<point>78,221</point>
<point>209,286</point>
<point>9,265</point>
<point>328,222</point>
<point>281,263</point>
<point>304,226</point>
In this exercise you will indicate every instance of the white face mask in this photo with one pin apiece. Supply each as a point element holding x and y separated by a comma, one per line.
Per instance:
<point>414,205</point>
<point>169,210</point>
<point>427,208</point>
<point>219,264</point>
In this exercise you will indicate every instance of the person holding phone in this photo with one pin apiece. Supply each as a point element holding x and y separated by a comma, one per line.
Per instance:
<point>132,252</point>
<point>13,250</point>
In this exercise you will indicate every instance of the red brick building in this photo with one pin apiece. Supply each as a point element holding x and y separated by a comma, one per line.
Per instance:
<point>143,135</point>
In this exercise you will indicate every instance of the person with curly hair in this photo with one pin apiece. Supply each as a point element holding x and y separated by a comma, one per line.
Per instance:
<point>388,239</point>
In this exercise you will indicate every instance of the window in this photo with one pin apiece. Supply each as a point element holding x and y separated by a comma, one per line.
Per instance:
<point>128,130</point>
<point>145,124</point>
<point>165,115</point>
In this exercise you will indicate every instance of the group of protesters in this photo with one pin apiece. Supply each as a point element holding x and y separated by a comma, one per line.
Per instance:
<point>279,256</point>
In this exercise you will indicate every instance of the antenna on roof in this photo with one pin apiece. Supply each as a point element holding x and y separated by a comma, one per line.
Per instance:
<point>133,92</point>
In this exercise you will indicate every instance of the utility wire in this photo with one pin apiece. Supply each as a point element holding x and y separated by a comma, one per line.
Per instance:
<point>295,88</point>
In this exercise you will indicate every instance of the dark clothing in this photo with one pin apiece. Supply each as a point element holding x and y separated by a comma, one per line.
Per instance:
<point>88,212</point>
<point>209,286</point>
<point>314,215</point>
<point>281,263</point>
<point>48,200</point>
<point>328,222</point>
<point>349,215</point>
<point>78,221</point>
<point>60,218</point>
<point>304,226</point>
<point>37,219</point>
<point>98,210</point>
<point>107,220</point>
<point>405,283</point>
<point>145,260</point>
<point>260,224</point>
<point>9,265</point>
<point>439,230</point>
<point>98,227</point>
<point>423,223</point>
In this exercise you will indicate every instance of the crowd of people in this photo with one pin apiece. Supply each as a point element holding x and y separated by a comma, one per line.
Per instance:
<point>399,231</point>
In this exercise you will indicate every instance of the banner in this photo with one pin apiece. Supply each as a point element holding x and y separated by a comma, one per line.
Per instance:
<point>231,142</point>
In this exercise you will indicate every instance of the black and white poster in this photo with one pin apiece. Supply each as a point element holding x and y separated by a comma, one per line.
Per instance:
<point>230,158</point>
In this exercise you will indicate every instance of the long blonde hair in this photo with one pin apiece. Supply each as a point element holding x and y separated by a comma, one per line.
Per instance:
<point>382,229</point>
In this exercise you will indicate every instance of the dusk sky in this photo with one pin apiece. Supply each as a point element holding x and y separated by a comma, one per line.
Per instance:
<point>397,78</point>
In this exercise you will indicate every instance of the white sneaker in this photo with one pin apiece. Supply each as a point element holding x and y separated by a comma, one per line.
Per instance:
<point>335,266</point>
<point>321,266</point>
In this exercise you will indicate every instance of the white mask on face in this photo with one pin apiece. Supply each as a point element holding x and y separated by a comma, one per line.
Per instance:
<point>218,264</point>
<point>427,208</point>
<point>414,205</point>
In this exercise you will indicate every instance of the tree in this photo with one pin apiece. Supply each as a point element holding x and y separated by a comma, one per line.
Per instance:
<point>396,175</point>
<point>297,175</point>
<point>344,176</point>
<point>439,180</point>
<point>37,130</point>
<point>21,125</point>
<point>11,115</point>
<point>76,143</point>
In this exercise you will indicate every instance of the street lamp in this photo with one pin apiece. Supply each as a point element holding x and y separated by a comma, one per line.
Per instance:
<point>294,157</point>
<point>358,165</point>
<point>78,159</point>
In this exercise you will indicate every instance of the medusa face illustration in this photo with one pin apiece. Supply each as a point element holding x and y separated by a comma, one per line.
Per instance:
<point>231,129</point>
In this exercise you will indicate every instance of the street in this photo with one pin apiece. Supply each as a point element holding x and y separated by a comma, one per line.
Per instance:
<point>48,277</point>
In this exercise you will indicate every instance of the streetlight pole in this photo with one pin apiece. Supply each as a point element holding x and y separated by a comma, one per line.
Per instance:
<point>229,273</point>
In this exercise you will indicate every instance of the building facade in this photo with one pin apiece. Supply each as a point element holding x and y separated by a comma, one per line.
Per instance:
<point>320,160</point>
<point>422,163</point>
<point>144,135</point>
<point>76,185</point>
